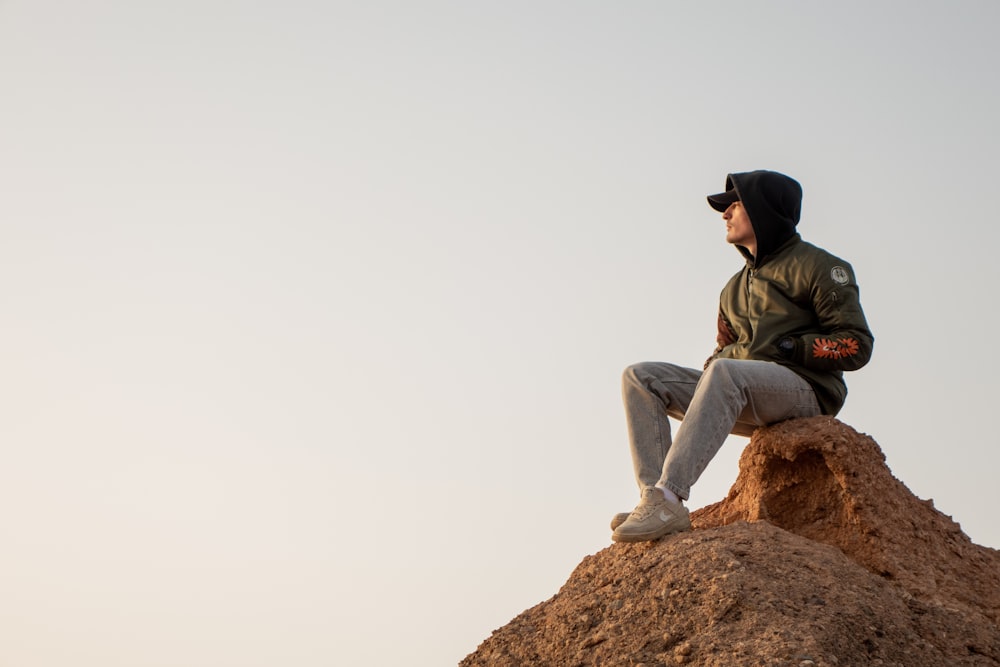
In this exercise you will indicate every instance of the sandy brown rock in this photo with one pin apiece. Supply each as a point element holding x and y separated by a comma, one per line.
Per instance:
<point>818,556</point>
<point>823,480</point>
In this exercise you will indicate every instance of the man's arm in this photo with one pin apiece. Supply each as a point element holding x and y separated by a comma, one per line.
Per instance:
<point>843,342</point>
<point>725,336</point>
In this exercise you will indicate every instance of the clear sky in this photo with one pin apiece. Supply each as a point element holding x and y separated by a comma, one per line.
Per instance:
<point>314,312</point>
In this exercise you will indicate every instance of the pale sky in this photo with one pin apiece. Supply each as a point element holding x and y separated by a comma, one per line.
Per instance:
<point>315,312</point>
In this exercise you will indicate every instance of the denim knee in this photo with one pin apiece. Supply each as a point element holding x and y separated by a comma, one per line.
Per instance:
<point>633,374</point>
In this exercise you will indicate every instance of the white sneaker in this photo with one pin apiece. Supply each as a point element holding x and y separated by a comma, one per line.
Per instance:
<point>652,518</point>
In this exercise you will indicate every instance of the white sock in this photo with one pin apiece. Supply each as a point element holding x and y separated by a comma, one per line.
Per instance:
<point>668,494</point>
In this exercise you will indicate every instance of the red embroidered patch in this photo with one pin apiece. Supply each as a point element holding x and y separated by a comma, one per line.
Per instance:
<point>824,348</point>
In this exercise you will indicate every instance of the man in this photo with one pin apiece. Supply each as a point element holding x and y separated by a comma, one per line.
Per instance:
<point>789,324</point>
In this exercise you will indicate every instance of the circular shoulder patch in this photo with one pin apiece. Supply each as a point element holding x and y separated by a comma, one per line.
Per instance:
<point>840,275</point>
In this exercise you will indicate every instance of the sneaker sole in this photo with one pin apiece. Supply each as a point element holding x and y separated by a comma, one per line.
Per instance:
<point>663,531</point>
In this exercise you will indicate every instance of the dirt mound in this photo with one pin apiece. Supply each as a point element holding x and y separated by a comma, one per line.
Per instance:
<point>818,556</point>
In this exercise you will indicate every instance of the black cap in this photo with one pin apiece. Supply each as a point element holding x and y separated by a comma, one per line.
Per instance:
<point>723,200</point>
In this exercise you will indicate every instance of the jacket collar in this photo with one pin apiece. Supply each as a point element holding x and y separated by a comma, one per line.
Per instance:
<point>756,263</point>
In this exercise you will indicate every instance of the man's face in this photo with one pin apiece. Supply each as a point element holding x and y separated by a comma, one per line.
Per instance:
<point>739,231</point>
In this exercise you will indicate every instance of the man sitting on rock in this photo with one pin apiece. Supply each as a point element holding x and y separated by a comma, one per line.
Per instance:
<point>789,324</point>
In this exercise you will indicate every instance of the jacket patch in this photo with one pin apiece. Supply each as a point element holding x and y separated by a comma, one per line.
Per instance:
<point>726,335</point>
<point>840,275</point>
<point>825,348</point>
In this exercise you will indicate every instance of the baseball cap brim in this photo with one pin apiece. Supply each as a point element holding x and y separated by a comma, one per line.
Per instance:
<point>723,200</point>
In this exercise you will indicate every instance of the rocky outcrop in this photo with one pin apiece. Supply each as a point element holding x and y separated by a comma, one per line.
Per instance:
<point>818,556</point>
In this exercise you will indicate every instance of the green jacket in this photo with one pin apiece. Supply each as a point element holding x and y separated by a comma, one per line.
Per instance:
<point>795,304</point>
<point>808,296</point>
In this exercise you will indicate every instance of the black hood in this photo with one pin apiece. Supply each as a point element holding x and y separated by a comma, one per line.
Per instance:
<point>773,201</point>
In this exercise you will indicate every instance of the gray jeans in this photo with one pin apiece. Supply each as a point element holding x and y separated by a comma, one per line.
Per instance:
<point>731,396</point>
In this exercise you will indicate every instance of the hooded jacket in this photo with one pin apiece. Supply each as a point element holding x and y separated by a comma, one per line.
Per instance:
<point>793,303</point>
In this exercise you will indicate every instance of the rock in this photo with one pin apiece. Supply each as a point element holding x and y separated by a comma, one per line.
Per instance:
<point>817,556</point>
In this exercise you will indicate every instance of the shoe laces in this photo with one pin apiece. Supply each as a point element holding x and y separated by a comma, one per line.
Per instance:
<point>644,510</point>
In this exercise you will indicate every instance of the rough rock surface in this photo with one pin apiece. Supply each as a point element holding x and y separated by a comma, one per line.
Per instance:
<point>817,557</point>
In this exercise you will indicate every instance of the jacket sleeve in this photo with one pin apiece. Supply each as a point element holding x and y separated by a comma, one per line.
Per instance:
<point>842,341</point>
<point>724,336</point>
